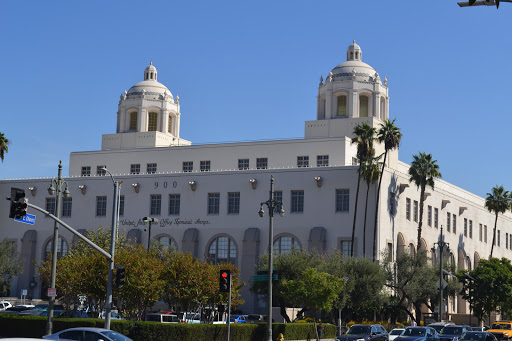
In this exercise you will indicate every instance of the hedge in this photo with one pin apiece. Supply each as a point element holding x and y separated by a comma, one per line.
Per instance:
<point>35,326</point>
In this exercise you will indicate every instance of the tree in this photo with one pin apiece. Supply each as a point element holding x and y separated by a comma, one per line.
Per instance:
<point>364,137</point>
<point>370,173</point>
<point>11,265</point>
<point>498,202</point>
<point>390,136</point>
<point>488,287</point>
<point>4,142</point>
<point>424,169</point>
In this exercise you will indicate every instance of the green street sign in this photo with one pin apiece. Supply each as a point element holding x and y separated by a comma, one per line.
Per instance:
<point>263,278</point>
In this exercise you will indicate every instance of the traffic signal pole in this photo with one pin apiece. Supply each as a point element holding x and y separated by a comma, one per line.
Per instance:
<point>229,307</point>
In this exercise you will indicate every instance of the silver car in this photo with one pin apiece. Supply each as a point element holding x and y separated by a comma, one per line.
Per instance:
<point>87,334</point>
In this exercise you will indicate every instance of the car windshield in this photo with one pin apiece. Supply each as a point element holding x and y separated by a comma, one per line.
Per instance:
<point>396,332</point>
<point>451,330</point>
<point>501,326</point>
<point>473,336</point>
<point>115,336</point>
<point>414,332</point>
<point>355,330</point>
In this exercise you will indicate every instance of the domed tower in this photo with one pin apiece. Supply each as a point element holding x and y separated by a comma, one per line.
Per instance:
<point>148,116</point>
<point>353,92</point>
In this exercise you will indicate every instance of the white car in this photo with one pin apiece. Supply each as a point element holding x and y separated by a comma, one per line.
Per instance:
<point>395,332</point>
<point>4,305</point>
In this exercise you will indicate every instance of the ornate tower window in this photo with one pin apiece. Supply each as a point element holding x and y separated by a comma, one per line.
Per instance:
<point>169,125</point>
<point>363,106</point>
<point>133,120</point>
<point>342,106</point>
<point>152,121</point>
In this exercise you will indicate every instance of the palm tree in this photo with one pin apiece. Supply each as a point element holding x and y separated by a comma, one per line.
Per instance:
<point>370,173</point>
<point>422,172</point>
<point>3,146</point>
<point>364,137</point>
<point>498,202</point>
<point>390,135</point>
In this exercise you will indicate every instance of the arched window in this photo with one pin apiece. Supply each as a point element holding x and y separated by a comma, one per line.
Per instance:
<point>133,120</point>
<point>285,245</point>
<point>151,75</point>
<point>167,243</point>
<point>222,250</point>
<point>363,106</point>
<point>152,121</point>
<point>357,54</point>
<point>169,125</point>
<point>412,249</point>
<point>351,55</point>
<point>342,106</point>
<point>62,248</point>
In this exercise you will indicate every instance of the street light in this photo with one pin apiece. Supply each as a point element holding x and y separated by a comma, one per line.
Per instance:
<point>150,221</point>
<point>441,243</point>
<point>272,205</point>
<point>57,190</point>
<point>115,205</point>
<point>480,3</point>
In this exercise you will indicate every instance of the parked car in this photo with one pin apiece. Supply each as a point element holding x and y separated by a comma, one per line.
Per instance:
<point>478,336</point>
<point>418,334</point>
<point>440,325</point>
<point>88,334</point>
<point>4,305</point>
<point>162,318</point>
<point>394,333</point>
<point>238,319</point>
<point>366,332</point>
<point>20,307</point>
<point>452,333</point>
<point>256,318</point>
<point>36,310</point>
<point>501,329</point>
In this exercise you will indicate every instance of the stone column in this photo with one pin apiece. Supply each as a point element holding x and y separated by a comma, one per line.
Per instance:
<point>376,105</point>
<point>141,120</point>
<point>165,120</point>
<point>328,105</point>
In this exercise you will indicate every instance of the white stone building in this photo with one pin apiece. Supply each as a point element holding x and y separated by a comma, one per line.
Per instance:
<point>207,197</point>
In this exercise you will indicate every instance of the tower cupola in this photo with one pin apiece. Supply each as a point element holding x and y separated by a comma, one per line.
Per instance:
<point>150,73</point>
<point>354,52</point>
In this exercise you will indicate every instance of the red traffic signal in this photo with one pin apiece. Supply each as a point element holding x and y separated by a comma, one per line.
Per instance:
<point>224,281</point>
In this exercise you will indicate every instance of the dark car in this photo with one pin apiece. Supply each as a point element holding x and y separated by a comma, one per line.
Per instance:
<point>440,325</point>
<point>452,333</point>
<point>478,336</point>
<point>367,332</point>
<point>255,318</point>
<point>418,334</point>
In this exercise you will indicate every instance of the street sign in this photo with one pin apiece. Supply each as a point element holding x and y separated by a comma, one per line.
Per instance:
<point>24,292</point>
<point>52,292</point>
<point>263,278</point>
<point>27,219</point>
<point>443,284</point>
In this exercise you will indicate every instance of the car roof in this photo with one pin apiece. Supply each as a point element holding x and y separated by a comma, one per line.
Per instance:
<point>93,329</point>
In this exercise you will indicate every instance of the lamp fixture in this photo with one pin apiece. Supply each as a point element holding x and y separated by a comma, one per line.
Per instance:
<point>193,185</point>
<point>136,187</point>
<point>83,188</point>
<point>33,190</point>
<point>319,181</point>
<point>254,183</point>
<point>51,189</point>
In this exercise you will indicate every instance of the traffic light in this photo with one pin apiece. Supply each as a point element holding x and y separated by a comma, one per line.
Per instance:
<point>120,277</point>
<point>224,281</point>
<point>18,203</point>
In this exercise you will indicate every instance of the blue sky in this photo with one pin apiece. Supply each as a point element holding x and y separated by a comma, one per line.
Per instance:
<point>249,71</point>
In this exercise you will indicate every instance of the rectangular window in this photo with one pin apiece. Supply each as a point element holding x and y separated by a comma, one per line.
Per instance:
<point>133,120</point>
<point>498,238</point>
<point>86,171</point>
<point>50,205</point>
<point>204,166</point>
<point>188,166</point>
<point>278,196</point>
<point>151,168</point>
<point>342,106</point>
<point>100,170</point>
<point>465,227</point>
<point>471,229</point>
<point>101,206</point>
<point>415,215</point>
<point>429,216</point>
<point>485,233</point>
<point>174,204</point>
<point>243,164</point>
<point>121,205</point>
<point>506,241</point>
<point>297,201</point>
<point>448,220</point>
<point>152,121</point>
<point>345,247</point>
<point>480,232</point>
<point>262,163</point>
<point>355,161</point>
<point>454,227</point>
<point>66,206</point>
<point>511,241</point>
<point>408,209</point>
<point>322,160</point>
<point>233,202</point>
<point>302,161</point>
<point>135,168</point>
<point>390,251</point>
<point>213,203</point>
<point>363,106</point>
<point>342,200</point>
<point>436,217</point>
<point>156,204</point>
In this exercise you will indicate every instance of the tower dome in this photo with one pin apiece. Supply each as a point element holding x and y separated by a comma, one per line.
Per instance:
<point>354,66</point>
<point>149,86</point>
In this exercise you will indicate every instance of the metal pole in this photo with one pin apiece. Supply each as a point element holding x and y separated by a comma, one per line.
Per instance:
<point>58,184</point>
<point>108,305</point>
<point>149,236</point>
<point>229,307</point>
<point>441,248</point>
<point>270,246</point>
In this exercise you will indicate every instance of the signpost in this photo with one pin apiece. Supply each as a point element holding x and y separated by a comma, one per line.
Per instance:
<point>27,219</point>
<point>52,292</point>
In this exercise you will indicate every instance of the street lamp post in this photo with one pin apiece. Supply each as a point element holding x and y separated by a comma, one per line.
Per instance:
<point>150,221</point>
<point>441,243</point>
<point>57,190</point>
<point>272,205</point>
<point>115,203</point>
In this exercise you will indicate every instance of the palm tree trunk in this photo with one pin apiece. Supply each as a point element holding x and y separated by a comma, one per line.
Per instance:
<point>377,208</point>
<point>355,211</point>
<point>494,233</point>
<point>420,224</point>
<point>364,225</point>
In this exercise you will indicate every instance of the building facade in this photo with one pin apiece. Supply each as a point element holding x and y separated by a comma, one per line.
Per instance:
<point>207,197</point>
